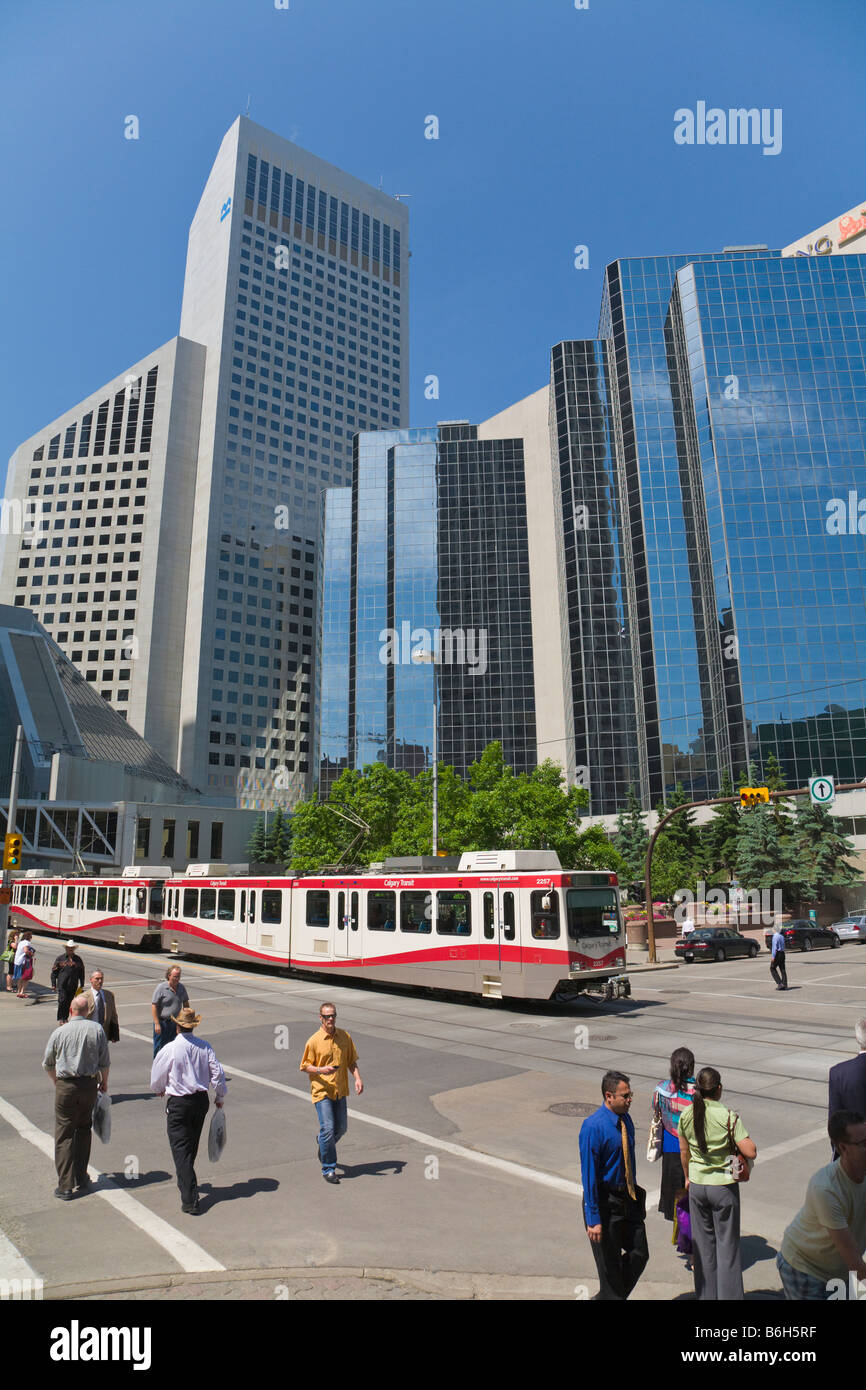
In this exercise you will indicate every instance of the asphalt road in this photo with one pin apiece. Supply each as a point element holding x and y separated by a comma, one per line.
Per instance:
<point>458,1180</point>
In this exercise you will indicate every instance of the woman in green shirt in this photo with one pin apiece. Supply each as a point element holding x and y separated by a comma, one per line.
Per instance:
<point>706,1133</point>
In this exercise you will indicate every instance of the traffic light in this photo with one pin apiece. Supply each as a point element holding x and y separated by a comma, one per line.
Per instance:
<point>750,796</point>
<point>12,851</point>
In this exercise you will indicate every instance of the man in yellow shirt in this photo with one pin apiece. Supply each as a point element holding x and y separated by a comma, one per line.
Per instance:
<point>328,1058</point>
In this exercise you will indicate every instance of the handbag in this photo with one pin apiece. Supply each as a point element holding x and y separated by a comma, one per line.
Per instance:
<point>102,1117</point>
<point>741,1168</point>
<point>656,1139</point>
<point>682,1236</point>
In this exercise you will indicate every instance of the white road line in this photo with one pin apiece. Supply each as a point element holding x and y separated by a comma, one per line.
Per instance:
<point>185,1252</point>
<point>503,1165</point>
<point>13,1264</point>
<point>752,998</point>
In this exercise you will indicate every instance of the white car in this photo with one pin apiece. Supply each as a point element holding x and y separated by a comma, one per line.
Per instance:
<point>851,928</point>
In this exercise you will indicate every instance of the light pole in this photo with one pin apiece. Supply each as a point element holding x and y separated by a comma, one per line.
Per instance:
<point>429,658</point>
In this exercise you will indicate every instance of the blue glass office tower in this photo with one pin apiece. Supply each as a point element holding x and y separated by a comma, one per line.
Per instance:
<point>437,565</point>
<point>769,388</point>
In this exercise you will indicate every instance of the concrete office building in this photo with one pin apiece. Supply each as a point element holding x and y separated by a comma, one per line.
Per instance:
<point>297,286</point>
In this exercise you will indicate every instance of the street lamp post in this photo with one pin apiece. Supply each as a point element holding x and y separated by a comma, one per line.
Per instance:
<point>429,658</point>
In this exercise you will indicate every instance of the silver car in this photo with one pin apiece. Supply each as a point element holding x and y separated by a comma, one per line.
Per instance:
<point>851,928</point>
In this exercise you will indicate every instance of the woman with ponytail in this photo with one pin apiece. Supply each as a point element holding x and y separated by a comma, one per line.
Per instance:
<point>670,1099</point>
<point>709,1135</point>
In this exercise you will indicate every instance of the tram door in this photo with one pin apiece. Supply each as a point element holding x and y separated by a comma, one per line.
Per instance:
<point>500,930</point>
<point>344,931</point>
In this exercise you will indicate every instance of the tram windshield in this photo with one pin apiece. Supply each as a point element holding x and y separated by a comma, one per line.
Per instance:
<point>591,912</point>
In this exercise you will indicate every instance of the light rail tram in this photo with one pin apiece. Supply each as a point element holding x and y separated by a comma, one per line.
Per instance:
<point>500,924</point>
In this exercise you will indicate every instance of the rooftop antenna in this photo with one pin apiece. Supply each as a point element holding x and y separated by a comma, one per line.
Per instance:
<point>247,112</point>
<point>398,196</point>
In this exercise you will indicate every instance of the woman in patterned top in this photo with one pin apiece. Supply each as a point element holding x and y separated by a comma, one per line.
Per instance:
<point>670,1099</point>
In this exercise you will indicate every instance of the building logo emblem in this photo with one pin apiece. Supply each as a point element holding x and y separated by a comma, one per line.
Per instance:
<point>225,209</point>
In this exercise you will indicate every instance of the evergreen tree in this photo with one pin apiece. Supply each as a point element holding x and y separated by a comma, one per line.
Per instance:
<point>632,837</point>
<point>274,837</point>
<point>764,859</point>
<point>719,837</point>
<point>820,849</point>
<point>256,843</point>
<point>775,781</point>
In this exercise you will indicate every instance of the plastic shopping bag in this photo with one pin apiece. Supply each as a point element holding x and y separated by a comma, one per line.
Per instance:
<point>102,1117</point>
<point>216,1139</point>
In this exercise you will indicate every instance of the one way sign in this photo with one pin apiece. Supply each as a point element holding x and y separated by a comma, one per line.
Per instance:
<point>822,790</point>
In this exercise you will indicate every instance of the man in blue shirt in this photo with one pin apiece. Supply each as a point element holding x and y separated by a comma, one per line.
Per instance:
<point>777,963</point>
<point>614,1207</point>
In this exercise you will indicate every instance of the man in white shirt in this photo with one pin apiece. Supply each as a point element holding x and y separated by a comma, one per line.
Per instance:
<point>182,1071</point>
<point>688,927</point>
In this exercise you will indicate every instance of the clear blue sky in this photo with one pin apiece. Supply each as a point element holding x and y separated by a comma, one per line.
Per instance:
<point>556,128</point>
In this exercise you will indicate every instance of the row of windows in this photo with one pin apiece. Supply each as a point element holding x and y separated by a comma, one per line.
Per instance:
<point>91,899</point>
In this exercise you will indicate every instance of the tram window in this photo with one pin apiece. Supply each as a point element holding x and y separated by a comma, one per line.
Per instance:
<point>353,918</point>
<point>591,912</point>
<point>70,897</point>
<point>272,907</point>
<point>243,904</point>
<point>190,902</point>
<point>55,896</point>
<point>252,904</point>
<point>544,907</point>
<point>37,896</point>
<point>141,900</point>
<point>156,900</point>
<point>382,910</point>
<point>453,913</point>
<point>318,908</point>
<point>487,905</point>
<point>101,899</point>
<point>113,899</point>
<point>416,911</point>
<point>226,905</point>
<point>341,911</point>
<point>207,910</point>
<point>508,922</point>
<point>91,900</point>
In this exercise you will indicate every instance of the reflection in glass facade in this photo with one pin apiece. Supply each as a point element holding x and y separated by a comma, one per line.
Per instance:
<point>769,371</point>
<point>334,587</point>
<point>438,563</point>
<point>602,692</point>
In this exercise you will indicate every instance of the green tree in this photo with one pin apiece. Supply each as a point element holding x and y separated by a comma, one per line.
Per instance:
<point>719,837</point>
<point>632,837</point>
<point>256,843</point>
<point>820,849</point>
<point>670,872</point>
<point>764,859</point>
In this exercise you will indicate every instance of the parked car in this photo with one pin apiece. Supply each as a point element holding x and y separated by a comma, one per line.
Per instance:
<point>714,943</point>
<point>803,935</point>
<point>851,928</point>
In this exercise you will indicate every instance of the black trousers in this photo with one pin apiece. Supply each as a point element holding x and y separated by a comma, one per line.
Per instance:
<point>65,995</point>
<point>622,1254</point>
<point>74,1099</point>
<point>186,1117</point>
<point>778,971</point>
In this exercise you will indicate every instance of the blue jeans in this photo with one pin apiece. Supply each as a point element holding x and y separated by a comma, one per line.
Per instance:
<point>333,1123</point>
<point>167,1035</point>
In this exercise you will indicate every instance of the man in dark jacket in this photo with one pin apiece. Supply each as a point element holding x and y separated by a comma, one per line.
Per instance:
<point>848,1079</point>
<point>67,975</point>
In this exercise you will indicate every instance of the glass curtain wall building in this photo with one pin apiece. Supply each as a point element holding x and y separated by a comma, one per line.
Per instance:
<point>769,376</point>
<point>438,567</point>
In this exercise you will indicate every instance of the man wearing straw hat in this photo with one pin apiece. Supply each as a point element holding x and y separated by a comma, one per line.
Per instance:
<point>182,1071</point>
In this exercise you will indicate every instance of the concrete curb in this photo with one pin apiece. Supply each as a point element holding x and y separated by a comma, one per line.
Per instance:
<point>449,1284</point>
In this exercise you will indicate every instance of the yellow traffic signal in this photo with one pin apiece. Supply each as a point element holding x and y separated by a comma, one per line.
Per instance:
<point>12,851</point>
<point>750,796</point>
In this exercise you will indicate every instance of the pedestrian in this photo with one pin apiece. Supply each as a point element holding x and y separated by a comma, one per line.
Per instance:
<point>169,998</point>
<point>25,956</point>
<point>848,1079</point>
<point>614,1207</point>
<point>8,957</point>
<point>688,927</point>
<point>670,1099</point>
<point>709,1131</point>
<point>822,1247</point>
<point>777,962</point>
<point>67,977</point>
<point>183,1071</point>
<point>101,1006</point>
<point>77,1060</point>
<point>328,1058</point>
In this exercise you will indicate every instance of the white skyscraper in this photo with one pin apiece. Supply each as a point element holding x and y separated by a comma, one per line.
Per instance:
<point>297,285</point>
